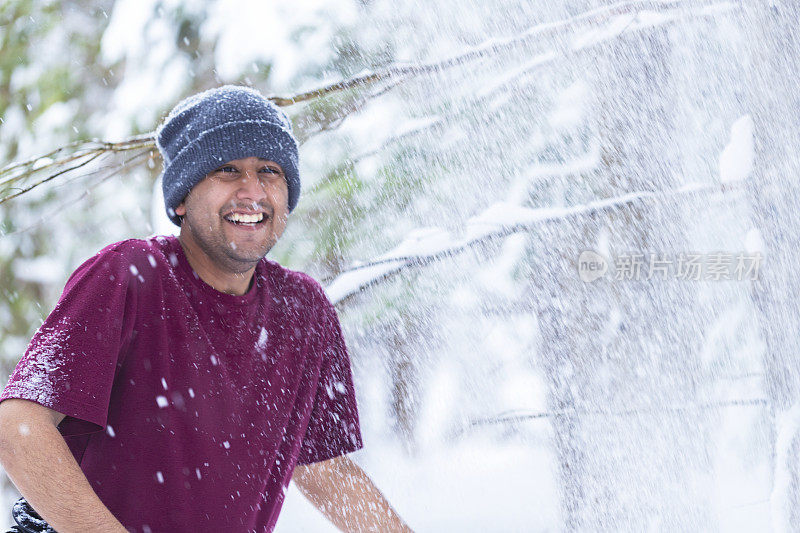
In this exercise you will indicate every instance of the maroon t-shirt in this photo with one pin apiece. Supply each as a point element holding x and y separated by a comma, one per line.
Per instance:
<point>188,408</point>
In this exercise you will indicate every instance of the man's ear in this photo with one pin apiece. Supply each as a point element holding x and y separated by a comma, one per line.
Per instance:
<point>181,209</point>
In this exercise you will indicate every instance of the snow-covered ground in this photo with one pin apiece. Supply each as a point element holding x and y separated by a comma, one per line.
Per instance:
<point>475,485</point>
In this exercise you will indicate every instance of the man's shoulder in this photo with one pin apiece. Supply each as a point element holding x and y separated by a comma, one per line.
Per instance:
<point>135,256</point>
<point>135,248</point>
<point>295,283</point>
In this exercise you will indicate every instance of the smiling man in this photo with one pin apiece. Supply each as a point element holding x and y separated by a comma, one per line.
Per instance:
<point>181,383</point>
<point>232,218</point>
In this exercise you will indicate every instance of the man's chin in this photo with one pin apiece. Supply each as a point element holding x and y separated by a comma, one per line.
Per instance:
<point>248,254</point>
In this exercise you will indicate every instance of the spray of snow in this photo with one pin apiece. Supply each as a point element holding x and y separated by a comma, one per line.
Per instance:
<point>736,159</point>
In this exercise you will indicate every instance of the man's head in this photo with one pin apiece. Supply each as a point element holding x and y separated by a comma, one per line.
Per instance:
<point>230,174</point>
<point>237,213</point>
<point>217,126</point>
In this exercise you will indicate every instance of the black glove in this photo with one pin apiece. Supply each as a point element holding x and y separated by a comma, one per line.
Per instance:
<point>28,520</point>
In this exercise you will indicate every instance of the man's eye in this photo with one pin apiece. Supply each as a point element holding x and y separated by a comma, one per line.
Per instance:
<point>273,171</point>
<point>227,168</point>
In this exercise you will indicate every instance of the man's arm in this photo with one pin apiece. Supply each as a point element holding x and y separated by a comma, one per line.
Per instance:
<point>347,496</point>
<point>39,462</point>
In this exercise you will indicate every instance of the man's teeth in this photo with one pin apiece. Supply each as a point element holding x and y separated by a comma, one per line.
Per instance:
<point>245,219</point>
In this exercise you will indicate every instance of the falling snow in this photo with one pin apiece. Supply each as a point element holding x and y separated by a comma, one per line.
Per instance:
<point>446,214</point>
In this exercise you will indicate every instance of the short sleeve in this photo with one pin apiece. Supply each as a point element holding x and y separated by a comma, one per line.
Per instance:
<point>333,428</point>
<point>71,361</point>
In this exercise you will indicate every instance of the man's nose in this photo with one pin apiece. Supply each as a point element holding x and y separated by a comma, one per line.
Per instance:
<point>250,187</point>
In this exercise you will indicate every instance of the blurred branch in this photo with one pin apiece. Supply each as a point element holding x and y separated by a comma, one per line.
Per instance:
<point>85,161</point>
<point>86,151</point>
<point>51,213</point>
<point>515,416</point>
<point>496,47</point>
<point>484,230</point>
<point>623,17</point>
<point>83,148</point>
<point>344,110</point>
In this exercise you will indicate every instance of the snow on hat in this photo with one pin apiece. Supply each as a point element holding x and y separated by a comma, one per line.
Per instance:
<point>220,125</point>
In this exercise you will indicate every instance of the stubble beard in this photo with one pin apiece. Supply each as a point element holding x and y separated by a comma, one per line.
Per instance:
<point>226,253</point>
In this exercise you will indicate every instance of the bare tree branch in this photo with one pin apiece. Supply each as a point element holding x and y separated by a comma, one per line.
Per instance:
<point>83,149</point>
<point>512,417</point>
<point>494,47</point>
<point>52,212</point>
<point>348,109</point>
<point>86,161</point>
<point>397,74</point>
<point>394,74</point>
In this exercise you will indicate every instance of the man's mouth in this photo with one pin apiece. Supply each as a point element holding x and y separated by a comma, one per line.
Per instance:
<point>244,219</point>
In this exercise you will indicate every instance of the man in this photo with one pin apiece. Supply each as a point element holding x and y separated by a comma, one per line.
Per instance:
<point>179,384</point>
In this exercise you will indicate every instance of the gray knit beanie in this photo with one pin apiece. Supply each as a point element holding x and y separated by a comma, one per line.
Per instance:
<point>220,125</point>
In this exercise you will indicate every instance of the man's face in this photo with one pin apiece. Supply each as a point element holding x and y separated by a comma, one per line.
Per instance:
<point>237,213</point>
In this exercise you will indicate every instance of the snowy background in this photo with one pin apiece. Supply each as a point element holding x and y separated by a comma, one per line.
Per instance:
<point>446,203</point>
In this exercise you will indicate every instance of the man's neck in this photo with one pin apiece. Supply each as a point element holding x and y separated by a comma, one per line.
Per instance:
<point>229,282</point>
